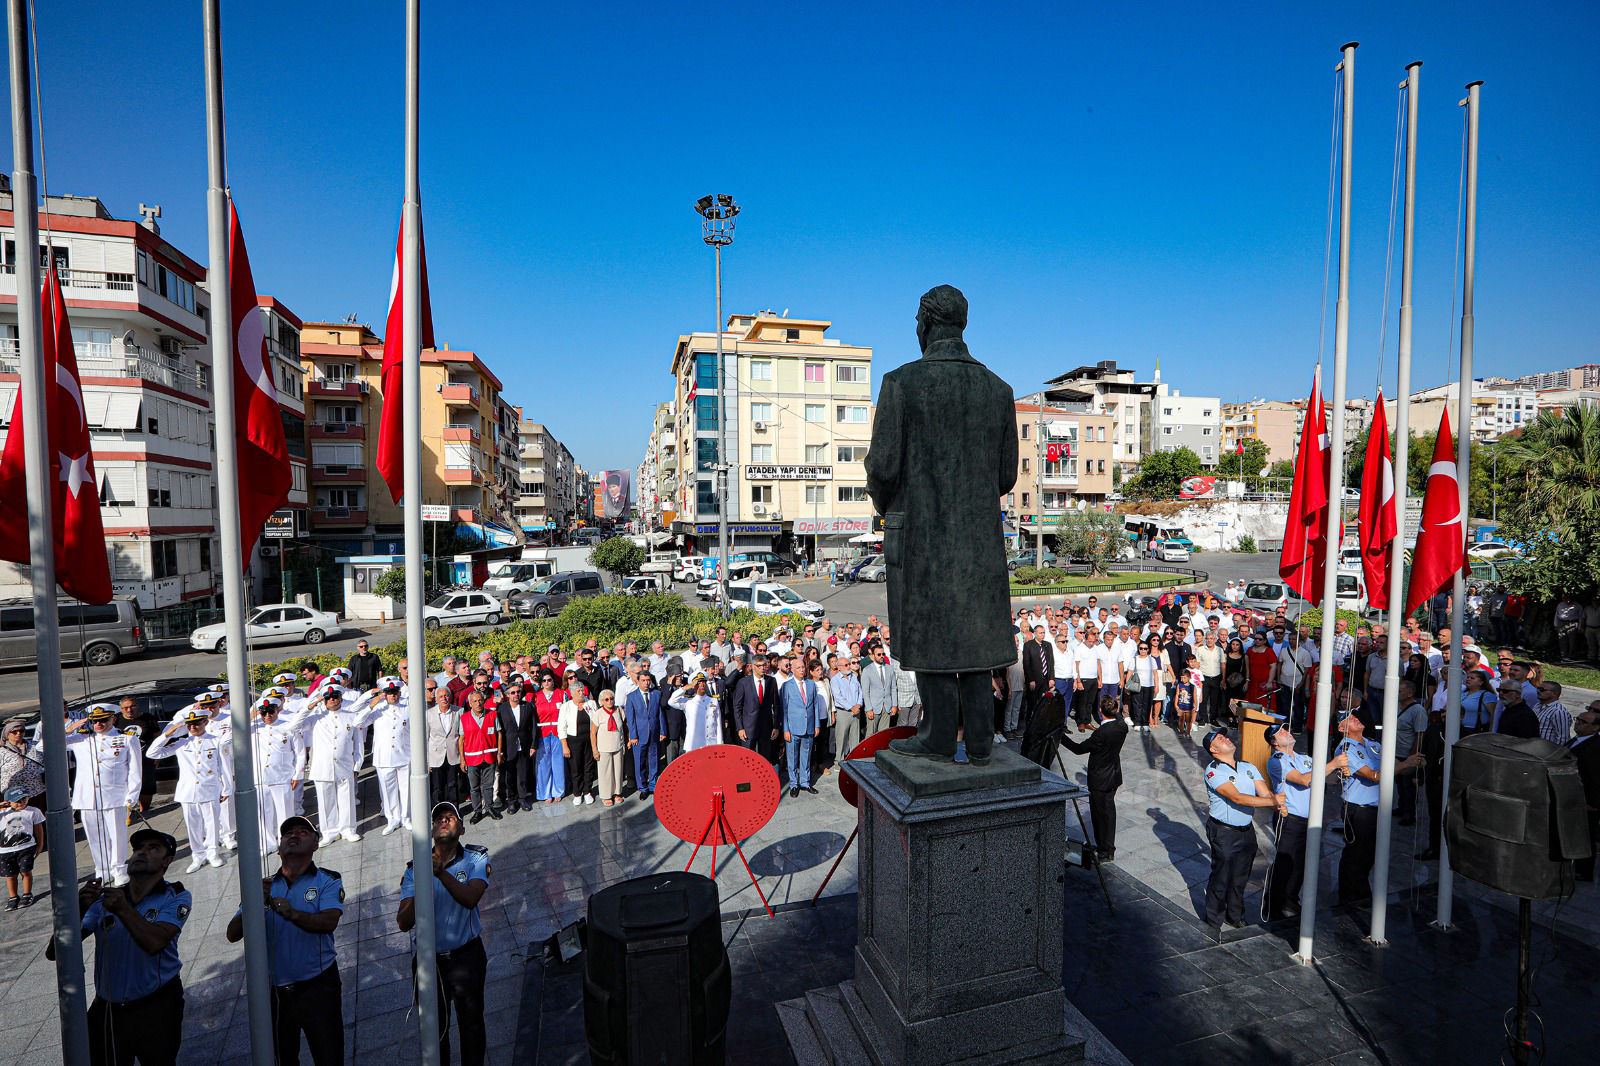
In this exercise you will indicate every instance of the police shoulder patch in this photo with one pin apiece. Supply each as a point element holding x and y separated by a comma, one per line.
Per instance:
<point>183,911</point>
<point>150,915</point>
<point>311,894</point>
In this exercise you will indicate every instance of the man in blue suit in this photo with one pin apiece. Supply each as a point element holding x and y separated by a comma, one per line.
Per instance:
<point>645,732</point>
<point>803,715</point>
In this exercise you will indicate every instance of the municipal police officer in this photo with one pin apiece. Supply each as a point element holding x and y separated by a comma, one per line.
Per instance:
<point>137,1011</point>
<point>1233,788</point>
<point>1357,758</point>
<point>460,878</point>
<point>110,775</point>
<point>1289,773</point>
<point>304,905</point>
<point>200,756</point>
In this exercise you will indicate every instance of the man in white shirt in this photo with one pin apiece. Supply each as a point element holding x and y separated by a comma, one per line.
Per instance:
<point>1063,653</point>
<point>1290,677</point>
<point>1086,681</point>
<point>1208,657</point>
<point>1111,670</point>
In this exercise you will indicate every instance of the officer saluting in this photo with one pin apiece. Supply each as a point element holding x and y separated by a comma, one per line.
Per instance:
<point>335,754</point>
<point>304,905</point>
<point>1289,772</point>
<point>280,759</point>
<point>137,1011</point>
<point>201,755</point>
<point>110,774</point>
<point>1357,758</point>
<point>1233,790</point>
<point>386,710</point>
<point>460,878</point>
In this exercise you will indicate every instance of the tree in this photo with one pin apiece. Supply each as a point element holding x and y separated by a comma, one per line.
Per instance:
<point>617,555</point>
<point>1282,470</point>
<point>392,584</point>
<point>1160,474</point>
<point>1092,537</point>
<point>1240,467</point>
<point>1552,503</point>
<point>1419,456</point>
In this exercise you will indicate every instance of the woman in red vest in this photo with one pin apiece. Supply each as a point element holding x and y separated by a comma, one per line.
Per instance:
<point>550,772</point>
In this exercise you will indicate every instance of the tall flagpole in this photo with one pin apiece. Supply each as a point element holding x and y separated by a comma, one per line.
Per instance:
<point>1397,608</point>
<point>1335,525</point>
<point>1458,587</point>
<point>416,700</point>
<point>224,363</point>
<point>68,941</point>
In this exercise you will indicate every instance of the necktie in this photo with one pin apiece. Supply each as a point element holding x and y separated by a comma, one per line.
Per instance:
<point>761,692</point>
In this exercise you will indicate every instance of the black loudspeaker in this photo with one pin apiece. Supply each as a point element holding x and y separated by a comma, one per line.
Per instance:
<point>656,982</point>
<point>1516,816</point>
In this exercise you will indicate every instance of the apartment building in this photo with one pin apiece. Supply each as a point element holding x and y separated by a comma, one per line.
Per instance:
<point>1079,475</point>
<point>657,483</point>
<point>1586,376</point>
<point>350,507</point>
<point>139,314</point>
<point>799,422</point>
<point>547,501</point>
<point>263,573</point>
<point>1108,389</point>
<point>1498,407</point>
<point>1275,423</point>
<point>1179,421</point>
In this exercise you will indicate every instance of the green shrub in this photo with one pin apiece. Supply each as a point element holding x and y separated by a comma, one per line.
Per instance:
<point>1025,574</point>
<point>1247,543</point>
<point>1050,576</point>
<point>617,555</point>
<point>1312,616</point>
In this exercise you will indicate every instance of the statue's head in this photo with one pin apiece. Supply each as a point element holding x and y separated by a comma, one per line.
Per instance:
<point>941,314</point>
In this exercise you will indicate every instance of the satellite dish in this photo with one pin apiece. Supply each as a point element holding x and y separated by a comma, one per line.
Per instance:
<point>1264,471</point>
<point>127,339</point>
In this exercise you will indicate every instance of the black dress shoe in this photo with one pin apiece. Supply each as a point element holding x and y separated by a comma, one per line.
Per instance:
<point>494,814</point>
<point>793,792</point>
<point>477,816</point>
<point>811,789</point>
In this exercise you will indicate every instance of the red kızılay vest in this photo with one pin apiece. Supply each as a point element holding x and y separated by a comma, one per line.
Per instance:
<point>479,741</point>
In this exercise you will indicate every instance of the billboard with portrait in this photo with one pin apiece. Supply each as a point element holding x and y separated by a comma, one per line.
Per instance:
<point>614,493</point>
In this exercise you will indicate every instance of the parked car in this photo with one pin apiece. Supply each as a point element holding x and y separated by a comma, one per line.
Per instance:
<point>1169,551</point>
<point>873,571</point>
<point>689,568</point>
<point>1265,596</point>
<point>464,608</point>
<point>740,570</point>
<point>1490,549</point>
<point>769,597</point>
<point>660,563</point>
<point>643,584</point>
<point>556,591</point>
<point>851,570</point>
<point>98,634</point>
<point>1027,558</point>
<point>776,565</point>
<point>273,623</point>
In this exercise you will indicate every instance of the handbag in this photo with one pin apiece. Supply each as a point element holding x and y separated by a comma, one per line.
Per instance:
<point>1133,686</point>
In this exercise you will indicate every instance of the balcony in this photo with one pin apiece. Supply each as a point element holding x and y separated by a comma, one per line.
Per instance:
<point>118,360</point>
<point>338,516</point>
<point>462,476</point>
<point>464,514</point>
<point>336,431</point>
<point>1068,480</point>
<point>332,387</point>
<point>669,461</point>
<point>338,475</point>
<point>456,431</point>
<point>454,393</point>
<point>533,451</point>
<point>669,439</point>
<point>93,279</point>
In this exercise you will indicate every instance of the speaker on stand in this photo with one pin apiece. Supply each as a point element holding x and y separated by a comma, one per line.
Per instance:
<point>1516,820</point>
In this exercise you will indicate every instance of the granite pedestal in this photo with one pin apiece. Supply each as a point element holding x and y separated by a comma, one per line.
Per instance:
<point>958,955</point>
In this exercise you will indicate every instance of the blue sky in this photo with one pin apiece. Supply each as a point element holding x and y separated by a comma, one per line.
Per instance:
<point>1103,181</point>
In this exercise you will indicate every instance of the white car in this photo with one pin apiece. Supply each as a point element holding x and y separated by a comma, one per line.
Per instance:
<point>275,623</point>
<point>1490,549</point>
<point>689,568</point>
<point>1169,551</point>
<point>873,571</point>
<point>462,609</point>
<point>769,597</point>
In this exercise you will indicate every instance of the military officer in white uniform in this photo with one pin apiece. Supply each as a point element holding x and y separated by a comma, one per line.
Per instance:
<point>335,740</point>
<point>110,774</point>
<point>385,709</point>
<point>201,756</point>
<point>215,702</point>
<point>280,761</point>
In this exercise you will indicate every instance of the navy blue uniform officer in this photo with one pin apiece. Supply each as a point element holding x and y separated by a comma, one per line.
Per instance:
<point>1233,789</point>
<point>138,1002</point>
<point>460,878</point>
<point>304,904</point>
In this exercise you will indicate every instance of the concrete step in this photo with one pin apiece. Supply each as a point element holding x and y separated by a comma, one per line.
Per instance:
<point>803,1041</point>
<point>866,1028</point>
<point>837,1029</point>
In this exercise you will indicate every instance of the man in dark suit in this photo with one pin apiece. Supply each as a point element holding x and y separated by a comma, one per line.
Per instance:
<point>1104,748</point>
<point>645,732</point>
<point>755,710</point>
<point>1587,749</point>
<point>1038,674</point>
<point>518,727</point>
<point>594,675</point>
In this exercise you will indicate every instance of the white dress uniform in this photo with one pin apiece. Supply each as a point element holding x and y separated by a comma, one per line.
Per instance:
<point>201,786</point>
<point>221,727</point>
<point>391,753</point>
<point>110,774</point>
<point>280,751</point>
<point>335,735</point>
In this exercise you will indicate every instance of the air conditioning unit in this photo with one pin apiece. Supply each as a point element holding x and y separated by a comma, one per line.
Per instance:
<point>269,551</point>
<point>171,346</point>
<point>761,427</point>
<point>757,509</point>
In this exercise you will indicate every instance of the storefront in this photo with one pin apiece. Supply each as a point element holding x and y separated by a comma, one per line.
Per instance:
<point>830,536</point>
<point>700,538</point>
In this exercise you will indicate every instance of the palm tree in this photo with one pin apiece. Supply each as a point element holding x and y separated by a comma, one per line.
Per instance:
<point>1553,469</point>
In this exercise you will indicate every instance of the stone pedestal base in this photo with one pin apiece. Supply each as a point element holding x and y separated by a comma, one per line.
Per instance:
<point>958,959</point>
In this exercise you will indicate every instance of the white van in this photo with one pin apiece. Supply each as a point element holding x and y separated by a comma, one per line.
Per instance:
<point>769,597</point>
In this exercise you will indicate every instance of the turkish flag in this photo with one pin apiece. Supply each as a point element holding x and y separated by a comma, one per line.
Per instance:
<point>391,427</point>
<point>1305,545</point>
<point>1441,549</point>
<point>1240,448</point>
<point>82,569</point>
<point>262,455</point>
<point>1378,522</point>
<point>1052,452</point>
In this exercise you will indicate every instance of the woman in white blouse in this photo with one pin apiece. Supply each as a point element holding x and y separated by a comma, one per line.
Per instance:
<point>702,714</point>
<point>572,727</point>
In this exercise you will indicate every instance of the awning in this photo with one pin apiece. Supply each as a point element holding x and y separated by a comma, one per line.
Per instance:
<point>867,538</point>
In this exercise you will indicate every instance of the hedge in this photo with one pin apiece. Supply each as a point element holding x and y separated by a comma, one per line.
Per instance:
<point>657,616</point>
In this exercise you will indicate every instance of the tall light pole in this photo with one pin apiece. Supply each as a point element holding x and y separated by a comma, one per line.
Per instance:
<point>718,212</point>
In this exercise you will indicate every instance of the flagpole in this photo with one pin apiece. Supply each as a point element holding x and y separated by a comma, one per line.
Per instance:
<point>1458,585</point>
<point>427,977</point>
<point>1397,610</point>
<point>1335,524</point>
<point>71,998</point>
<point>224,363</point>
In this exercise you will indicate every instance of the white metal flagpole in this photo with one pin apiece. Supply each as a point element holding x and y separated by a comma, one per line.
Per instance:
<point>1452,714</point>
<point>230,565</point>
<point>1397,607</point>
<point>416,688</point>
<point>1333,533</point>
<point>71,997</point>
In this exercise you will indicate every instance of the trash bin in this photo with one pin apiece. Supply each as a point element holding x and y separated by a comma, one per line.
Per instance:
<point>656,982</point>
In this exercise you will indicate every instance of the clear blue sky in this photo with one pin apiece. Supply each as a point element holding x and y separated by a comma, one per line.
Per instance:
<point>1103,181</point>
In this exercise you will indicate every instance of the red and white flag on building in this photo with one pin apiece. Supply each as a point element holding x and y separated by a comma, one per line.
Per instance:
<point>1240,449</point>
<point>391,426</point>
<point>1441,548</point>
<point>1379,525</point>
<point>262,456</point>
<point>1052,452</point>
<point>1305,547</point>
<point>82,568</point>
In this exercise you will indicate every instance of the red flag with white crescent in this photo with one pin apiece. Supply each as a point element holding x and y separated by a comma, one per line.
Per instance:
<point>262,453</point>
<point>1442,538</point>
<point>1305,545</point>
<point>1378,520</point>
<point>391,426</point>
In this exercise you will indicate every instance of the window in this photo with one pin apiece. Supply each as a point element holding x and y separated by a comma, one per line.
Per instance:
<point>791,334</point>
<point>816,453</point>
<point>158,484</point>
<point>760,370</point>
<point>587,583</point>
<point>705,457</point>
<point>852,494</point>
<point>163,558</point>
<point>205,555</point>
<point>852,453</point>
<point>1101,469</point>
<point>760,493</point>
<point>344,498</point>
<point>1205,453</point>
<point>1024,431</point>
<point>1167,411</point>
<point>1024,464</point>
<point>815,412</point>
<point>1100,433</point>
<point>814,372</point>
<point>816,494</point>
<point>174,288</point>
<point>1205,431</point>
<point>1166,431</point>
<point>705,497</point>
<point>705,369</point>
<point>1206,413</point>
<point>16,620</point>
<point>705,412</point>
<point>1024,499</point>
<point>761,412</point>
<point>761,453</point>
<point>850,413</point>
<point>854,373</point>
